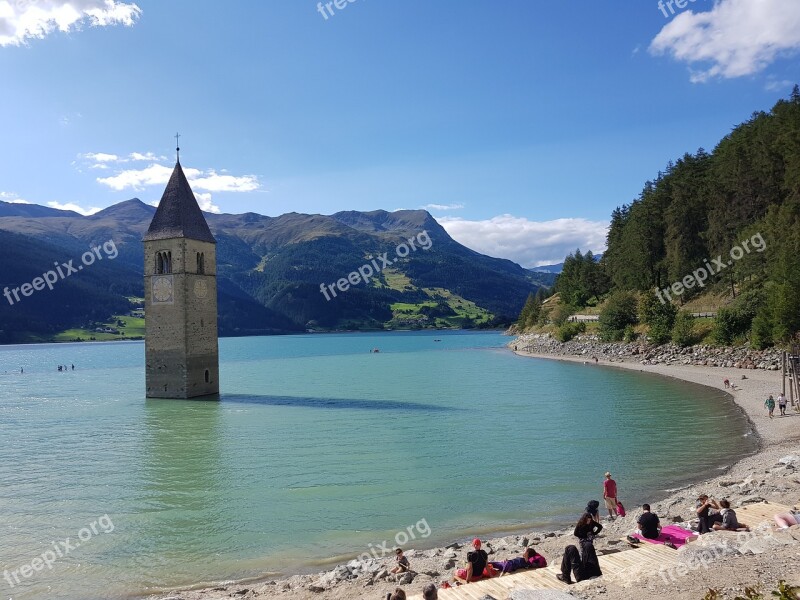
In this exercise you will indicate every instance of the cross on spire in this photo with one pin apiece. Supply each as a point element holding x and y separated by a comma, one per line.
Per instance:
<point>178,146</point>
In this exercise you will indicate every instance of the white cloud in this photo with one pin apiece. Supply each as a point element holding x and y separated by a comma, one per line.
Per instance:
<point>204,200</point>
<point>155,174</point>
<point>773,85</point>
<point>75,208</point>
<point>442,207</point>
<point>529,243</point>
<point>736,37</point>
<point>12,198</point>
<point>136,179</point>
<point>147,156</point>
<point>214,182</point>
<point>100,157</point>
<point>21,20</point>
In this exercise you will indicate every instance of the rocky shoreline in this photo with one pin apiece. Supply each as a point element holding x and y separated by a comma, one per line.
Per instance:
<point>773,474</point>
<point>588,346</point>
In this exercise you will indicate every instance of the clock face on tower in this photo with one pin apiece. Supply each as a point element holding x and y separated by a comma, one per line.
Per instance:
<point>162,289</point>
<point>200,288</point>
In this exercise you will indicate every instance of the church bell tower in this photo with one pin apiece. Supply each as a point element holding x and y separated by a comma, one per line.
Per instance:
<point>180,291</point>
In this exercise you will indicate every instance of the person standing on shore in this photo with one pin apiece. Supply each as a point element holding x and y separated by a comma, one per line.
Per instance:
<point>610,496</point>
<point>770,404</point>
<point>782,404</point>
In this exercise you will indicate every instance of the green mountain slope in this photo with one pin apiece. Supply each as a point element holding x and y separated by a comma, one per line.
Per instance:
<point>269,271</point>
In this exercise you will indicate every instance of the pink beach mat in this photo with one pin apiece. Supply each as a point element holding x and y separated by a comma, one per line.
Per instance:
<point>678,535</point>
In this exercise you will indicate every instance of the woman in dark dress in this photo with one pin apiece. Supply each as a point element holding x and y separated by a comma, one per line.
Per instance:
<point>583,563</point>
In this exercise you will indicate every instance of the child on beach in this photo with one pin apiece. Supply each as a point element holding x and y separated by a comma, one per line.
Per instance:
<point>402,562</point>
<point>782,404</point>
<point>770,404</point>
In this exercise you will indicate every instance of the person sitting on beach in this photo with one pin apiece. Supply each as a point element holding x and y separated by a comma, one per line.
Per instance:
<point>476,563</point>
<point>592,509</point>
<point>530,559</point>
<point>398,594</point>
<point>649,524</point>
<point>402,562</point>
<point>703,508</point>
<point>610,496</point>
<point>430,592</point>
<point>581,564</point>
<point>726,519</point>
<point>787,519</point>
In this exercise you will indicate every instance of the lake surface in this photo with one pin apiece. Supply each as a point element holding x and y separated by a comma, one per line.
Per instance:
<point>318,449</point>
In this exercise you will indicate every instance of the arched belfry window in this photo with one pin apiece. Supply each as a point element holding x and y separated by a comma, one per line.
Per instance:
<point>163,262</point>
<point>201,262</point>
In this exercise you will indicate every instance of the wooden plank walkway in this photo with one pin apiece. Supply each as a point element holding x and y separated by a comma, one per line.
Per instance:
<point>755,514</point>
<point>625,564</point>
<point>650,558</point>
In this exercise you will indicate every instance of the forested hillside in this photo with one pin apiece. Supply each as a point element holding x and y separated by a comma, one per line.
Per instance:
<point>725,222</point>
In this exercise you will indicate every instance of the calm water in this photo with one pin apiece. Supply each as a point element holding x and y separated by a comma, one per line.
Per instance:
<point>318,449</point>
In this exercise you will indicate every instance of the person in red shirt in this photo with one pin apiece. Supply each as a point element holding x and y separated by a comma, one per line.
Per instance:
<point>610,496</point>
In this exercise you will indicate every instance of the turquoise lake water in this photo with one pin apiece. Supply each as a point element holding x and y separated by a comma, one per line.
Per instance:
<point>319,449</point>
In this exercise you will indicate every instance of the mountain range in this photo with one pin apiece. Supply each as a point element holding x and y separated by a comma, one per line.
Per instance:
<point>270,272</point>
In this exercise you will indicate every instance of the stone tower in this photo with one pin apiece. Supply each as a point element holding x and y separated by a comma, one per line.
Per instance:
<point>180,291</point>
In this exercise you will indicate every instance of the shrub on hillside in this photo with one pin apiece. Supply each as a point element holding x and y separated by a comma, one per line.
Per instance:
<point>729,324</point>
<point>683,331</point>
<point>658,316</point>
<point>617,314</point>
<point>567,331</point>
<point>561,313</point>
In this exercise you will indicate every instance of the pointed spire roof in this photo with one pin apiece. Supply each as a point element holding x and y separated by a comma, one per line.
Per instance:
<point>178,214</point>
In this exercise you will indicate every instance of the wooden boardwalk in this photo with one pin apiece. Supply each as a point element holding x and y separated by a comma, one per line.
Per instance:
<point>755,514</point>
<point>625,564</point>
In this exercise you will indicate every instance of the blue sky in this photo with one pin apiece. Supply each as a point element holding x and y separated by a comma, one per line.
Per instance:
<point>520,124</point>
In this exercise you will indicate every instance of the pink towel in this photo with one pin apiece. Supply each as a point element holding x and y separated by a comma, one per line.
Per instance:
<point>677,535</point>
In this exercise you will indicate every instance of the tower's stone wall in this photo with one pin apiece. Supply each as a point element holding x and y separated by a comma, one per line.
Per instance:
<point>181,349</point>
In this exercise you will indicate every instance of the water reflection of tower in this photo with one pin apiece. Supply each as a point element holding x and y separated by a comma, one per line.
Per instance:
<point>184,488</point>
